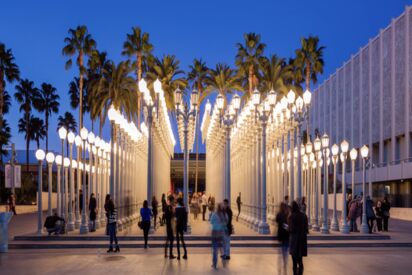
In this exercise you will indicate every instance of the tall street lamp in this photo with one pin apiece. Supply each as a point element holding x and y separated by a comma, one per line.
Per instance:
<point>70,224</point>
<point>186,115</point>
<point>325,145</point>
<point>335,154</point>
<point>364,153</point>
<point>59,162</point>
<point>50,160</point>
<point>40,155</point>
<point>78,142</point>
<point>353,156</point>
<point>66,164</point>
<point>62,135</point>
<point>112,114</point>
<point>344,146</point>
<point>317,144</point>
<point>84,228</point>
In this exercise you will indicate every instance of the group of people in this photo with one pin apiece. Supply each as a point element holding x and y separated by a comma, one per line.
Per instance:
<point>377,215</point>
<point>200,203</point>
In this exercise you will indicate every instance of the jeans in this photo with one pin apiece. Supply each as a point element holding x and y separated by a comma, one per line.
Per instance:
<point>385,223</point>
<point>112,234</point>
<point>146,228</point>
<point>297,265</point>
<point>370,224</point>
<point>203,212</point>
<point>379,224</point>
<point>353,225</point>
<point>227,244</point>
<point>179,237</point>
<point>217,243</point>
<point>169,242</point>
<point>283,259</point>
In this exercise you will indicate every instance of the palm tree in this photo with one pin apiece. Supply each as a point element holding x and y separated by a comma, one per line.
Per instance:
<point>74,93</point>
<point>80,43</point>
<point>8,71</point>
<point>248,57</point>
<point>137,45</point>
<point>5,136</point>
<point>26,95</point>
<point>48,103</point>
<point>167,71</point>
<point>197,75</point>
<point>98,65</point>
<point>38,130</point>
<point>117,88</point>
<point>69,122</point>
<point>276,75</point>
<point>223,80</point>
<point>309,60</point>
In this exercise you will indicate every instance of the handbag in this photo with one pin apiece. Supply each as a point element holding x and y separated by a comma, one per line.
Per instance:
<point>140,224</point>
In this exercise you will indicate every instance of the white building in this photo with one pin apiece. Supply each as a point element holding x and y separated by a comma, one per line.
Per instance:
<point>368,101</point>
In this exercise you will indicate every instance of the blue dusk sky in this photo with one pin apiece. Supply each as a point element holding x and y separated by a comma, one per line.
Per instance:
<point>35,30</point>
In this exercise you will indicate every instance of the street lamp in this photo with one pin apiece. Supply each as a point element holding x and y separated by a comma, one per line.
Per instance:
<point>335,154</point>
<point>40,155</point>
<point>66,164</point>
<point>325,146</point>
<point>50,160</point>
<point>317,144</point>
<point>70,224</point>
<point>364,153</point>
<point>353,156</point>
<point>84,228</point>
<point>78,142</point>
<point>112,114</point>
<point>59,162</point>
<point>62,135</point>
<point>344,147</point>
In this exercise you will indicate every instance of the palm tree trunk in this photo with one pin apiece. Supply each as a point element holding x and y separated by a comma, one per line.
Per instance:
<point>250,80</point>
<point>47,130</point>
<point>92,125</point>
<point>80,91</point>
<point>27,140</point>
<point>139,77</point>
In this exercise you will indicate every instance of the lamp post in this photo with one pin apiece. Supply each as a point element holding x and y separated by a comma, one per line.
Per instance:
<point>50,160</point>
<point>344,146</point>
<point>311,157</point>
<point>40,157</point>
<point>84,228</point>
<point>62,135</point>
<point>325,145</point>
<point>66,164</point>
<point>97,178</point>
<point>364,153</point>
<point>70,224</point>
<point>90,140</point>
<point>317,144</point>
<point>291,96</point>
<point>78,142</point>
<point>335,153</point>
<point>302,114</point>
<point>59,162</point>
<point>353,156</point>
<point>112,113</point>
<point>186,115</point>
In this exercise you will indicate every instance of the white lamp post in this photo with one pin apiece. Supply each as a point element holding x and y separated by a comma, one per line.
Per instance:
<point>84,228</point>
<point>112,114</point>
<point>40,155</point>
<point>353,156</point>
<point>70,224</point>
<point>317,144</point>
<point>50,160</point>
<point>325,145</point>
<point>66,164</point>
<point>344,146</point>
<point>78,142</point>
<point>335,154</point>
<point>364,153</point>
<point>62,135</point>
<point>59,162</point>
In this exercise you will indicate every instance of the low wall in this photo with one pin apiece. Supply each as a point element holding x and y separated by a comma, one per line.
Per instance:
<point>22,209</point>
<point>401,213</point>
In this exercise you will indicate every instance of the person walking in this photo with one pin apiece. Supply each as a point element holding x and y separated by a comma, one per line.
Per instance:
<point>386,206</point>
<point>283,235</point>
<point>92,212</point>
<point>145,214</point>
<point>155,205</point>
<point>168,213</point>
<point>164,205</point>
<point>211,206</point>
<point>379,215</point>
<point>370,214</point>
<point>195,206</point>
<point>219,226</point>
<point>204,206</point>
<point>181,227</point>
<point>354,206</point>
<point>239,204</point>
<point>229,231</point>
<point>112,214</point>
<point>298,230</point>
<point>12,204</point>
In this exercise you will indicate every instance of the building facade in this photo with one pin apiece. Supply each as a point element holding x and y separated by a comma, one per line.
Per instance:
<point>368,101</point>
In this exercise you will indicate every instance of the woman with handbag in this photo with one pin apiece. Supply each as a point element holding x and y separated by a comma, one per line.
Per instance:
<point>145,215</point>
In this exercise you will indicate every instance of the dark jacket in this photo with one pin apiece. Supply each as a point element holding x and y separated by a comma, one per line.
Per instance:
<point>385,209</point>
<point>229,213</point>
<point>298,230</point>
<point>92,208</point>
<point>379,212</point>
<point>169,216</point>
<point>50,221</point>
<point>181,218</point>
<point>370,214</point>
<point>283,233</point>
<point>155,205</point>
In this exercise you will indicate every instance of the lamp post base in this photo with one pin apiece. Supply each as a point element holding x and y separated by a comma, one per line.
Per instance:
<point>315,227</point>
<point>364,225</point>
<point>84,229</point>
<point>71,226</point>
<point>119,225</point>
<point>324,230</point>
<point>335,225</point>
<point>97,223</point>
<point>77,224</point>
<point>264,228</point>
<point>345,229</point>
<point>188,230</point>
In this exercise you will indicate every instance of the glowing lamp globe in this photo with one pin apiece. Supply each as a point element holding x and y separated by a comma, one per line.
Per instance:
<point>70,137</point>
<point>236,102</point>
<point>307,97</point>
<point>78,140</point>
<point>291,97</point>
<point>194,98</point>
<point>40,155</point>
<point>157,86</point>
<point>256,97</point>
<point>50,157</point>
<point>220,101</point>
<point>317,144</point>
<point>353,154</point>
<point>344,146</point>
<point>84,133</point>
<point>335,149</point>
<point>364,151</point>
<point>59,160</point>
<point>62,133</point>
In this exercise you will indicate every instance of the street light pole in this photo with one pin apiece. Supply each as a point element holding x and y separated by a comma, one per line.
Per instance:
<point>325,145</point>
<point>40,157</point>
<point>84,228</point>
<point>364,153</point>
<point>50,160</point>
<point>335,153</point>
<point>344,148</point>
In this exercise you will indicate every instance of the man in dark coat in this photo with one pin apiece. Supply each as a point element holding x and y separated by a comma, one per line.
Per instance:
<point>298,229</point>
<point>229,230</point>
<point>169,230</point>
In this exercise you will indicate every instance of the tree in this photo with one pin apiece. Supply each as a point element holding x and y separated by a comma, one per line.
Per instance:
<point>137,45</point>
<point>74,93</point>
<point>167,71</point>
<point>98,65</point>
<point>117,88</point>
<point>275,75</point>
<point>69,122</point>
<point>248,58</point>
<point>223,80</point>
<point>5,136</point>
<point>8,71</point>
<point>197,75</point>
<point>309,60</point>
<point>26,94</point>
<point>34,131</point>
<point>48,102</point>
<point>80,43</point>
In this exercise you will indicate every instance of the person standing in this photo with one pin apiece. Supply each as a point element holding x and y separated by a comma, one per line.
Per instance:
<point>81,200</point>
<point>145,214</point>
<point>370,214</point>
<point>298,230</point>
<point>195,206</point>
<point>386,206</point>
<point>112,214</point>
<point>219,226</point>
<point>92,212</point>
<point>181,226</point>
<point>283,234</point>
<point>12,204</point>
<point>155,205</point>
<point>302,204</point>
<point>168,213</point>
<point>379,215</point>
<point>229,231</point>
<point>239,204</point>
<point>164,205</point>
<point>211,205</point>
<point>204,205</point>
